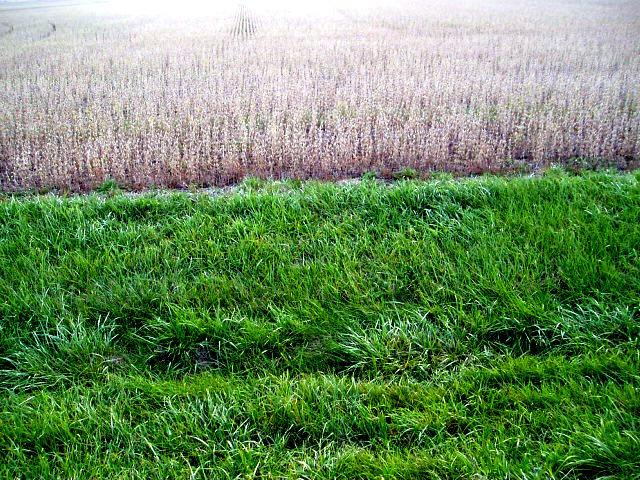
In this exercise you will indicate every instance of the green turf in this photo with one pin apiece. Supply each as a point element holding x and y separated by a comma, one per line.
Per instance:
<point>479,328</point>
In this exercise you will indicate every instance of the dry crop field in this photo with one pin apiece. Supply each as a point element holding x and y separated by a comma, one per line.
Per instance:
<point>204,96</point>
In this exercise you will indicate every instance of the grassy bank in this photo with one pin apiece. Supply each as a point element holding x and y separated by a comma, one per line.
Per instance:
<point>433,329</point>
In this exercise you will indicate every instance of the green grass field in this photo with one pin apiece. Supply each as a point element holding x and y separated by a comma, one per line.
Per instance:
<point>477,328</point>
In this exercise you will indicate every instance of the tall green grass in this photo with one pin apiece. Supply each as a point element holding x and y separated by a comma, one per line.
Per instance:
<point>483,328</point>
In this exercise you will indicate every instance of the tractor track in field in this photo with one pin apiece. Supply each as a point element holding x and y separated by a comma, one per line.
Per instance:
<point>245,24</point>
<point>7,29</point>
